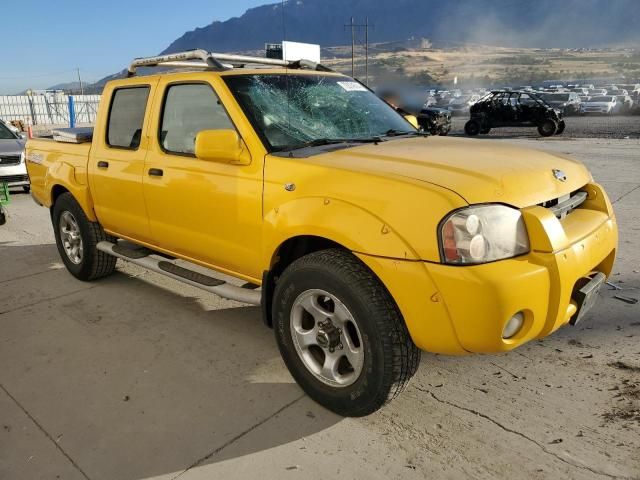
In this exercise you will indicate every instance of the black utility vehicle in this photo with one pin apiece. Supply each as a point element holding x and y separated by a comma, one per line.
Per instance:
<point>513,108</point>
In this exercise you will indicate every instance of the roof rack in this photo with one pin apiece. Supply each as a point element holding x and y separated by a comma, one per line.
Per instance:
<point>214,61</point>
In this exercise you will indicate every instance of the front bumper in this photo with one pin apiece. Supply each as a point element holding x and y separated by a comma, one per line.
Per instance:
<point>463,309</point>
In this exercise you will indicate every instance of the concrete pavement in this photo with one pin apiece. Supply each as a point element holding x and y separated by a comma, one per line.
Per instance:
<point>139,377</point>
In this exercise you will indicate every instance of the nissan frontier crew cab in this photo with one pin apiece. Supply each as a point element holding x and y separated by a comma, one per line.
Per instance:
<point>363,240</point>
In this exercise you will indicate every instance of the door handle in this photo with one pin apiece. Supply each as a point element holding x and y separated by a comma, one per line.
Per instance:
<point>103,164</point>
<point>156,172</point>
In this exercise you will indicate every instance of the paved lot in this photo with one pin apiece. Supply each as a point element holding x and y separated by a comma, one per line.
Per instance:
<point>138,377</point>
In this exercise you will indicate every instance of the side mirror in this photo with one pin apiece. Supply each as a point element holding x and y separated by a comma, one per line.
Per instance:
<point>23,136</point>
<point>224,146</point>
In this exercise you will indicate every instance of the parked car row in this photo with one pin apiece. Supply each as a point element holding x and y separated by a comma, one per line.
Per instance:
<point>569,99</point>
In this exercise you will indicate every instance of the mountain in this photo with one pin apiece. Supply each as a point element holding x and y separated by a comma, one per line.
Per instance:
<point>515,23</point>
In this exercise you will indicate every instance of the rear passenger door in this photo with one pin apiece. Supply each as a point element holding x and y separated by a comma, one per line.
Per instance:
<point>116,163</point>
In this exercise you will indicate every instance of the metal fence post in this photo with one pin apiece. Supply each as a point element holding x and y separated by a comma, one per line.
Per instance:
<point>72,112</point>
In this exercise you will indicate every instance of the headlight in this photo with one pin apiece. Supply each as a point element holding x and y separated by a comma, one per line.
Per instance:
<point>22,157</point>
<point>481,234</point>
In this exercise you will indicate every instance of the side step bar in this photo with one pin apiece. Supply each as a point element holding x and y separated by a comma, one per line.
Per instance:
<point>184,275</point>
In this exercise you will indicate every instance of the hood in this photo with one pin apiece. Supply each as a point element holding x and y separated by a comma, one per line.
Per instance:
<point>11,147</point>
<point>478,170</point>
<point>598,104</point>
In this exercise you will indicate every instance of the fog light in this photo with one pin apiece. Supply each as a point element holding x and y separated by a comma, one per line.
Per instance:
<point>513,326</point>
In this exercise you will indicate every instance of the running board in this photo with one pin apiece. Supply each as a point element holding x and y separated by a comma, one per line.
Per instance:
<point>184,275</point>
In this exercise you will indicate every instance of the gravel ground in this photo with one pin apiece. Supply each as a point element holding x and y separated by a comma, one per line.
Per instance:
<point>577,127</point>
<point>138,377</point>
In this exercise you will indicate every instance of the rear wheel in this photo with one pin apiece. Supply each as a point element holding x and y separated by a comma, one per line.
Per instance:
<point>561,127</point>
<point>341,334</point>
<point>76,239</point>
<point>547,128</point>
<point>472,128</point>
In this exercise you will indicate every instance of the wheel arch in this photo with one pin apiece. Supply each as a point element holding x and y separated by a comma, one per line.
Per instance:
<point>285,254</point>
<point>79,192</point>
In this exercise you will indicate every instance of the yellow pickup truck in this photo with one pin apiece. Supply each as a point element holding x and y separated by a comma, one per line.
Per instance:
<point>364,240</point>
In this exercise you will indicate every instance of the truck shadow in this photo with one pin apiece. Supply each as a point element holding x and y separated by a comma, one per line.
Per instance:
<point>137,375</point>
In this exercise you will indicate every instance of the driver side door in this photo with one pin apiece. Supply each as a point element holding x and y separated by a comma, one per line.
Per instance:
<point>204,210</point>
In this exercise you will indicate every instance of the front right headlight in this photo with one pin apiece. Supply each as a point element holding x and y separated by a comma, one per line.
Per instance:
<point>481,234</point>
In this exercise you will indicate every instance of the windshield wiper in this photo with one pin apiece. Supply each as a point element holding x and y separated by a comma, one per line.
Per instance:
<point>317,142</point>
<point>398,133</point>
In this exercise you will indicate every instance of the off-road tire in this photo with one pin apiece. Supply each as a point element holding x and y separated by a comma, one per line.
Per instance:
<point>472,128</point>
<point>95,264</point>
<point>390,356</point>
<point>561,126</point>
<point>547,128</point>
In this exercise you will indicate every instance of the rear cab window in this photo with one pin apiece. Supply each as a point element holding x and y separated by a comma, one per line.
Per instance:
<point>126,117</point>
<point>188,109</point>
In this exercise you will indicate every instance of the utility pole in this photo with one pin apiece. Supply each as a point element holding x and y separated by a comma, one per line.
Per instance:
<point>80,81</point>
<point>352,25</point>
<point>366,51</point>
<point>353,48</point>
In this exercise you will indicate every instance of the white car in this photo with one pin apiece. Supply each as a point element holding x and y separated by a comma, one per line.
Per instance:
<point>13,170</point>
<point>605,104</point>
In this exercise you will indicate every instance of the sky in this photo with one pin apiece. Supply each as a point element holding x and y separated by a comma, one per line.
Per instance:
<point>45,41</point>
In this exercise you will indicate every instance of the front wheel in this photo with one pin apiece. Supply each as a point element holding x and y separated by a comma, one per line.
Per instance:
<point>547,128</point>
<point>561,127</point>
<point>340,333</point>
<point>76,239</point>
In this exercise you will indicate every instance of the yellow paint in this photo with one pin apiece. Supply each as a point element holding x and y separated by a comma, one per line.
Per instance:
<point>383,202</point>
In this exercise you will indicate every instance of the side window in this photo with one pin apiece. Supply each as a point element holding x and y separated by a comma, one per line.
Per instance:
<point>124,129</point>
<point>189,109</point>
<point>526,100</point>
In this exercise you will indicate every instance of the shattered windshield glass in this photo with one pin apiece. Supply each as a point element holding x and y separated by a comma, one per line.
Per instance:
<point>296,110</point>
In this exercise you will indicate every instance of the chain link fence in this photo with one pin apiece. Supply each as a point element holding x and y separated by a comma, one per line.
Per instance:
<point>48,109</point>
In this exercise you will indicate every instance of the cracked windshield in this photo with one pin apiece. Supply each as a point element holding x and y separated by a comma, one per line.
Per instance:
<point>295,111</point>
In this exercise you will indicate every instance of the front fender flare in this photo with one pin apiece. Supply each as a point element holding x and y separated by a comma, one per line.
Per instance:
<point>342,222</point>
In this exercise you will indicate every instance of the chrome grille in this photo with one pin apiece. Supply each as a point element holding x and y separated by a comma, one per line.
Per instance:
<point>9,160</point>
<point>564,205</point>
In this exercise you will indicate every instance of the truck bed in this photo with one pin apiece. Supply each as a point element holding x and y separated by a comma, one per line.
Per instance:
<point>43,154</point>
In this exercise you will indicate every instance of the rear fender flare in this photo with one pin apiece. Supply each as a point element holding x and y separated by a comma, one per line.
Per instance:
<point>64,175</point>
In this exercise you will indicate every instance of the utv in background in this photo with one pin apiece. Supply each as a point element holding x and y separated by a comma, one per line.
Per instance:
<point>511,108</point>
